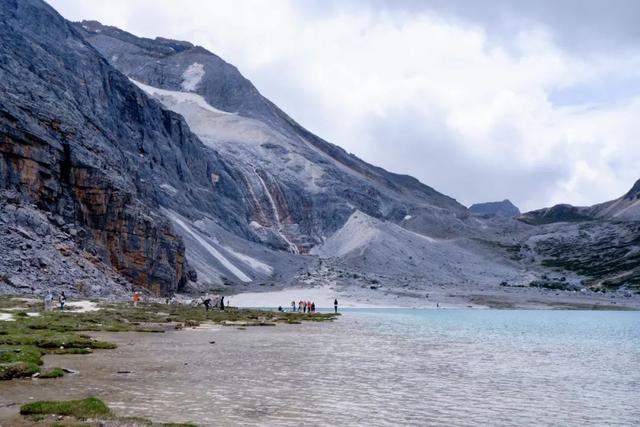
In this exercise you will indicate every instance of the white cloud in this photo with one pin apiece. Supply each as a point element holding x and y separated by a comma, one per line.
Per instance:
<point>421,93</point>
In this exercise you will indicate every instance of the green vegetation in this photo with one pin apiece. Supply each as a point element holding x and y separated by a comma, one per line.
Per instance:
<point>91,410</point>
<point>52,373</point>
<point>82,409</point>
<point>19,361</point>
<point>554,285</point>
<point>25,340</point>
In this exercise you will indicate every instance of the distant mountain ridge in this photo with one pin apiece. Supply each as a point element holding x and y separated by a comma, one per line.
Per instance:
<point>128,162</point>
<point>625,208</point>
<point>504,209</point>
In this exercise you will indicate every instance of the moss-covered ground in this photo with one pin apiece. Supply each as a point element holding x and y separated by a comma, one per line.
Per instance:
<point>26,338</point>
<point>86,412</point>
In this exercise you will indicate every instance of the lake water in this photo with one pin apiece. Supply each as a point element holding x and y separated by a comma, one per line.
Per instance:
<point>374,367</point>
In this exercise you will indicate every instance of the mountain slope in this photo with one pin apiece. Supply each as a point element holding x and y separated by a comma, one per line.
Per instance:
<point>504,209</point>
<point>83,144</point>
<point>600,242</point>
<point>299,186</point>
<point>625,208</point>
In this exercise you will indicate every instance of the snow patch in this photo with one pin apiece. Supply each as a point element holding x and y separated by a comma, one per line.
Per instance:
<point>7,317</point>
<point>407,217</point>
<point>207,246</point>
<point>192,77</point>
<point>251,262</point>
<point>173,97</point>
<point>83,306</point>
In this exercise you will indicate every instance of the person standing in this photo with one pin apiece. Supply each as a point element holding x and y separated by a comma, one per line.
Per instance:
<point>335,305</point>
<point>48,301</point>
<point>136,299</point>
<point>293,306</point>
<point>222,303</point>
<point>62,299</point>
<point>300,306</point>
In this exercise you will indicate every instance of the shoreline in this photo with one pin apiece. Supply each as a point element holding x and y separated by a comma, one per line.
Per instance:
<point>30,344</point>
<point>446,298</point>
<point>255,376</point>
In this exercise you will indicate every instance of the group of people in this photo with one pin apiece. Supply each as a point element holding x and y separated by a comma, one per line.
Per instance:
<point>48,301</point>
<point>303,307</point>
<point>308,306</point>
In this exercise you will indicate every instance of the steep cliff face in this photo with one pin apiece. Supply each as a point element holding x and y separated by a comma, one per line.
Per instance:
<point>298,187</point>
<point>78,140</point>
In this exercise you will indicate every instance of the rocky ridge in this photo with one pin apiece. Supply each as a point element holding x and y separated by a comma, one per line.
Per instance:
<point>131,162</point>
<point>504,209</point>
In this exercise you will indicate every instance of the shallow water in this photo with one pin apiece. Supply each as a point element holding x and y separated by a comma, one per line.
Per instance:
<point>372,367</point>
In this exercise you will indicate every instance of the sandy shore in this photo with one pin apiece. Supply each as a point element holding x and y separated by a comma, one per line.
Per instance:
<point>438,297</point>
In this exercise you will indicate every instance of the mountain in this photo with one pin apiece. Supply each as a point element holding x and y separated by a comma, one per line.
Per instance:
<point>600,242</point>
<point>504,209</point>
<point>296,189</point>
<point>84,155</point>
<point>133,163</point>
<point>625,208</point>
<point>98,176</point>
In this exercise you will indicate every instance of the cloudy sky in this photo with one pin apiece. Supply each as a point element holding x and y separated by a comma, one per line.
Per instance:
<point>536,101</point>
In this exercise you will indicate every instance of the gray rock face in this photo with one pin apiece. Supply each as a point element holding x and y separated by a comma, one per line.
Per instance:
<point>298,187</point>
<point>599,242</point>
<point>82,142</point>
<point>127,162</point>
<point>504,209</point>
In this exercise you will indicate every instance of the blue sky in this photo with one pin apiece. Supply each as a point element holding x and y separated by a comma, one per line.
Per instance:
<point>483,100</point>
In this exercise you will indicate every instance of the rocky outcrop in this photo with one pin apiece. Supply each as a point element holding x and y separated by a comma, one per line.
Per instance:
<point>81,142</point>
<point>504,209</point>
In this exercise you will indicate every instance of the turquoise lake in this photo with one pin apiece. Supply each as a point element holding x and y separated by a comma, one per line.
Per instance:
<point>374,367</point>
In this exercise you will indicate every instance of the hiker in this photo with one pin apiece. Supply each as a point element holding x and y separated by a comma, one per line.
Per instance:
<point>62,299</point>
<point>48,301</point>
<point>313,307</point>
<point>136,299</point>
<point>293,306</point>
<point>300,306</point>
<point>207,304</point>
<point>280,308</point>
<point>335,305</point>
<point>222,303</point>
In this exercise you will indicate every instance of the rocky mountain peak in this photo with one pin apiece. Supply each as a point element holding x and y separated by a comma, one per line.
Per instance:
<point>503,208</point>
<point>634,193</point>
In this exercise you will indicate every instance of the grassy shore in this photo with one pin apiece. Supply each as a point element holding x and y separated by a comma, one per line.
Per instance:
<point>33,333</point>
<point>86,412</point>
